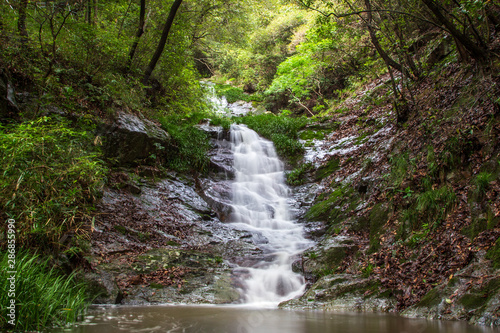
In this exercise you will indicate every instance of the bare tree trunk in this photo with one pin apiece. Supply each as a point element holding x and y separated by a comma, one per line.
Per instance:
<point>138,35</point>
<point>161,43</point>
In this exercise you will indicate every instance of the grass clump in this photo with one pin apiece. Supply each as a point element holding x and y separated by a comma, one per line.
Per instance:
<point>52,175</point>
<point>280,129</point>
<point>224,122</point>
<point>43,297</point>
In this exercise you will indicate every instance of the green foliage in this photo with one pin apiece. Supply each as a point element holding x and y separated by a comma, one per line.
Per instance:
<point>233,94</point>
<point>367,271</point>
<point>52,175</point>
<point>44,297</point>
<point>297,176</point>
<point>190,143</point>
<point>224,122</point>
<point>482,182</point>
<point>327,169</point>
<point>435,204</point>
<point>401,167</point>
<point>282,130</point>
<point>427,210</point>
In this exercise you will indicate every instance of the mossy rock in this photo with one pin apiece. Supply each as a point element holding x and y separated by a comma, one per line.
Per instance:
<point>374,222</point>
<point>493,254</point>
<point>477,298</point>
<point>327,169</point>
<point>333,207</point>
<point>432,298</point>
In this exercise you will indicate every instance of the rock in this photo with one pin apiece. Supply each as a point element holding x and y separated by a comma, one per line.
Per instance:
<point>103,285</point>
<point>344,292</point>
<point>130,138</point>
<point>472,294</point>
<point>8,105</point>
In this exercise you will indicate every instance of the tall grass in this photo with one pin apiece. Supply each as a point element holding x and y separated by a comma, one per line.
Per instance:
<point>43,297</point>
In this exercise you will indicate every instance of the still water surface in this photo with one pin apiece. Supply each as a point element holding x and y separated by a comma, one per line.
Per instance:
<point>226,319</point>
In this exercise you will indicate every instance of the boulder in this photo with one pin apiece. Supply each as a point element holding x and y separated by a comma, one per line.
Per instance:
<point>131,138</point>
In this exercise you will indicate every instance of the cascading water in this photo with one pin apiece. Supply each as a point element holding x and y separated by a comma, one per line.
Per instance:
<point>260,206</point>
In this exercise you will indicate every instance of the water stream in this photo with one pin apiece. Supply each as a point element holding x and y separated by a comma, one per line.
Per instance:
<point>260,206</point>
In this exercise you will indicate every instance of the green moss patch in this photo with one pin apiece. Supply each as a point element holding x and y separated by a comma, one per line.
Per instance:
<point>327,169</point>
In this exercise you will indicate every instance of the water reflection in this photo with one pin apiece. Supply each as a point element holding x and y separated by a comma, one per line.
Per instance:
<point>224,319</point>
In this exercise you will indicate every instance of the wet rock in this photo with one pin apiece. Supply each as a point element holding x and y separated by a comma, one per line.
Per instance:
<point>472,294</point>
<point>130,138</point>
<point>344,292</point>
<point>8,105</point>
<point>217,194</point>
<point>103,285</point>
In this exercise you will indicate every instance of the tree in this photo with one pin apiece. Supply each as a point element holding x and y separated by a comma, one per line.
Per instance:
<point>138,34</point>
<point>21,22</point>
<point>473,43</point>
<point>161,43</point>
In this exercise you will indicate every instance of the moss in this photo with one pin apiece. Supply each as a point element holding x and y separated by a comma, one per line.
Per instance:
<point>143,236</point>
<point>329,207</point>
<point>121,229</point>
<point>432,298</point>
<point>377,218</point>
<point>452,282</point>
<point>477,226</point>
<point>310,135</point>
<point>493,254</point>
<point>156,286</point>
<point>473,301</point>
<point>327,169</point>
<point>334,256</point>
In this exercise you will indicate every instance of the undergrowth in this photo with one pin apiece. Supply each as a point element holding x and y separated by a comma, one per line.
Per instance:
<point>52,176</point>
<point>190,144</point>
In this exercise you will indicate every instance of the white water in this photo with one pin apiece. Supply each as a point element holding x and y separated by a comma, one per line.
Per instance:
<point>260,206</point>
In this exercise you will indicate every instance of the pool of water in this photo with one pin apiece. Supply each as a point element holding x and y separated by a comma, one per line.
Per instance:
<point>236,319</point>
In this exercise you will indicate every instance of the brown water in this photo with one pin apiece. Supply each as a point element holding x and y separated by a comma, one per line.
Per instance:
<point>225,319</point>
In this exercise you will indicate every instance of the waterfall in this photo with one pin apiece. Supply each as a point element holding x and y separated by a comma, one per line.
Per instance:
<point>260,206</point>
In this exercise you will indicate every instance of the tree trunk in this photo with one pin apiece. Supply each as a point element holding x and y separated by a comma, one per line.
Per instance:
<point>163,40</point>
<point>21,23</point>
<point>475,51</point>
<point>138,35</point>
<point>374,39</point>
